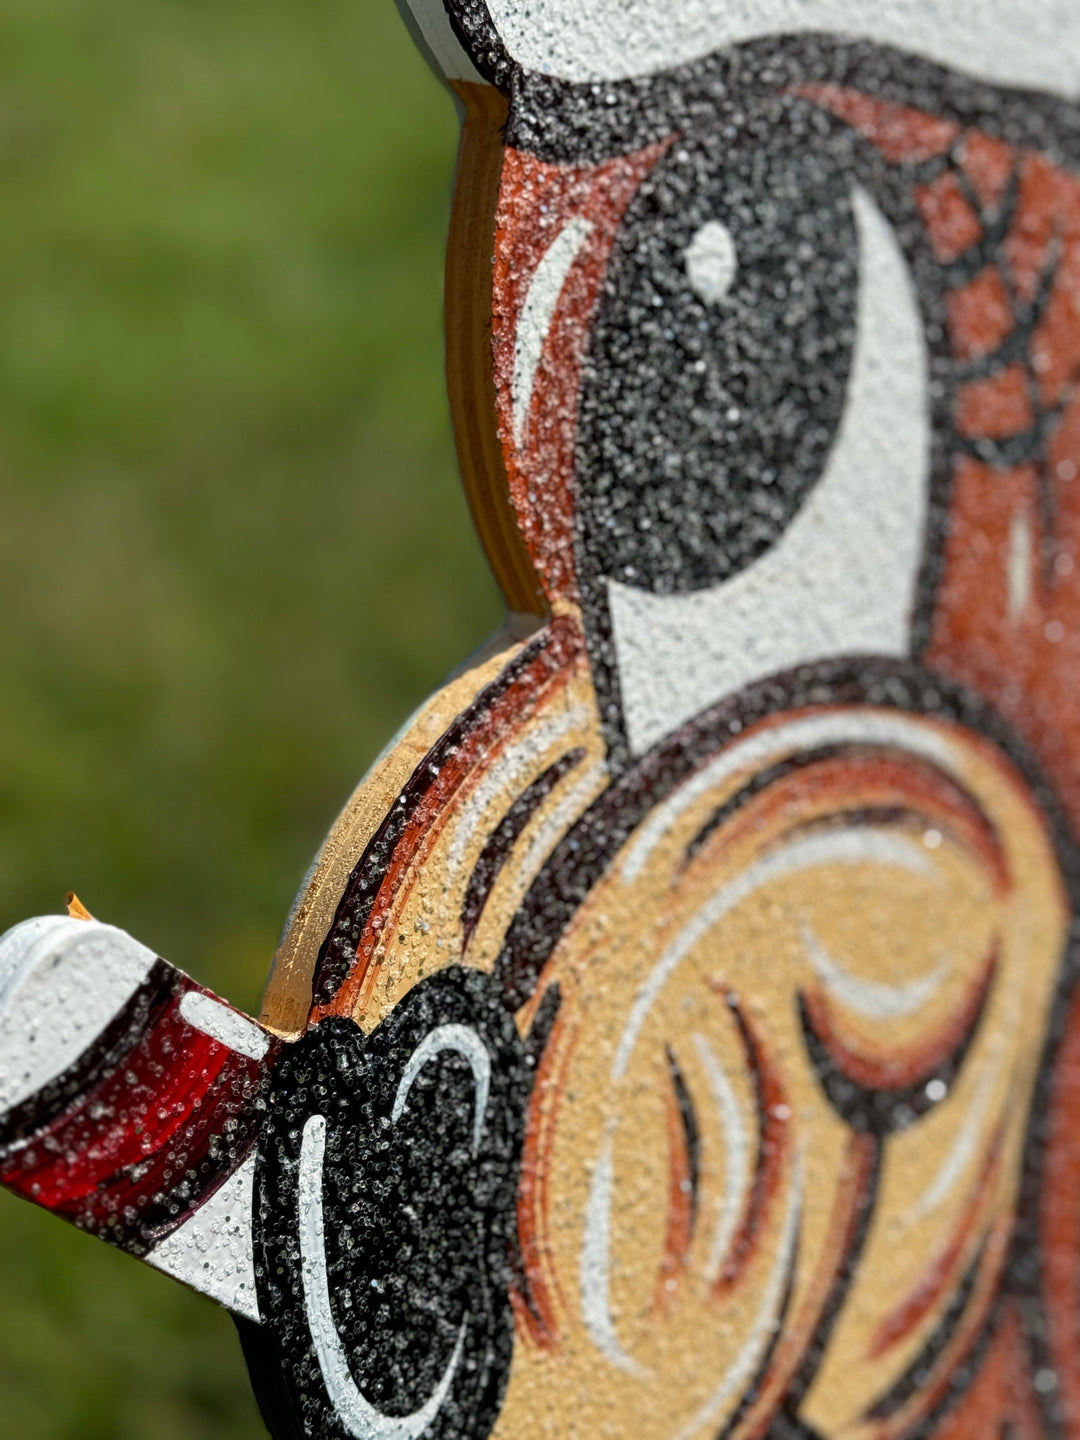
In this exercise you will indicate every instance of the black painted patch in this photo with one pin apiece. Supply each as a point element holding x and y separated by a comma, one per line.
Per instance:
<point>418,1225</point>
<point>706,420</point>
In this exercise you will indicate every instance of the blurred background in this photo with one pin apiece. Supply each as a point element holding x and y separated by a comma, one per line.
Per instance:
<point>234,553</point>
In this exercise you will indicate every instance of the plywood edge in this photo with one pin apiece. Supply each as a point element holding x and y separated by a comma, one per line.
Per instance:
<point>469,362</point>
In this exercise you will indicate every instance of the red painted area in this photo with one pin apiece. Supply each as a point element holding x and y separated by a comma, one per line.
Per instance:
<point>999,1401</point>
<point>1022,650</point>
<point>1028,243</point>
<point>774,1116</point>
<point>841,789</point>
<point>904,135</point>
<point>980,315</point>
<point>952,222</point>
<point>536,203</point>
<point>987,164</point>
<point>997,407</point>
<point>135,1153</point>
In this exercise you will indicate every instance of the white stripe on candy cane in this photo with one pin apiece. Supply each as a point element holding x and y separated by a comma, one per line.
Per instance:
<point>62,981</point>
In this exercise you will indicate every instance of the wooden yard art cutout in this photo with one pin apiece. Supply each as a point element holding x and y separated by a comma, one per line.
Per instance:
<point>678,1036</point>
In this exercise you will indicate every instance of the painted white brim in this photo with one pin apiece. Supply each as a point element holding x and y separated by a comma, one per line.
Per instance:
<point>62,982</point>
<point>1004,41</point>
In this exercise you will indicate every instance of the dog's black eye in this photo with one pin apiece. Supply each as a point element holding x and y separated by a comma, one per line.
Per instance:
<point>384,1214</point>
<point>718,363</point>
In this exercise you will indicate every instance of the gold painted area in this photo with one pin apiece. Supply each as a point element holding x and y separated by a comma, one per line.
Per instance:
<point>287,1000</point>
<point>647,1316</point>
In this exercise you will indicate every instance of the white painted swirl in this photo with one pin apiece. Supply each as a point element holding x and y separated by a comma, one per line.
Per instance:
<point>358,1416</point>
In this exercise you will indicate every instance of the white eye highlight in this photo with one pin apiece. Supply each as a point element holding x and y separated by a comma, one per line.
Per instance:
<point>712,262</point>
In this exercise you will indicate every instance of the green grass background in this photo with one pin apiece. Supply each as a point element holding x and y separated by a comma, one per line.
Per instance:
<point>233,549</point>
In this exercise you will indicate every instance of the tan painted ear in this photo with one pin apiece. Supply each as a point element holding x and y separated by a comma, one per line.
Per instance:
<point>799,1023</point>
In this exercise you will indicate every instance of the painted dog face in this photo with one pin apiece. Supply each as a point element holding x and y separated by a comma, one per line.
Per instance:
<point>676,1033</point>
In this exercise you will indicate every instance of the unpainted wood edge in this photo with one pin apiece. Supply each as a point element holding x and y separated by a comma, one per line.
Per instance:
<point>469,360</point>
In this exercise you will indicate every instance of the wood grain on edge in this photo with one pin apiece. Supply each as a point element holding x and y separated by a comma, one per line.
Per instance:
<point>469,364</point>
